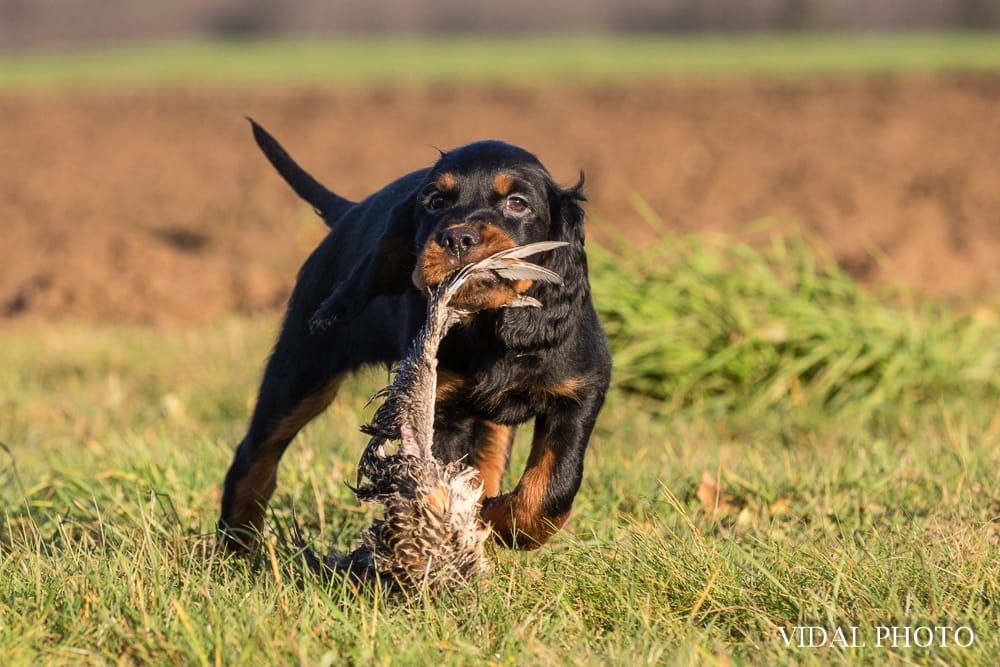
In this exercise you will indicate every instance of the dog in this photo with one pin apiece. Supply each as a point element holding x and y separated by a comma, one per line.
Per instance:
<point>361,296</point>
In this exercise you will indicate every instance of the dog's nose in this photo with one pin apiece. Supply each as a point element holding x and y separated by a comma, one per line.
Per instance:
<point>458,239</point>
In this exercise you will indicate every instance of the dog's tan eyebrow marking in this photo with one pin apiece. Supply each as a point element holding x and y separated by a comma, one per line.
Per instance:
<point>503,183</point>
<point>446,182</point>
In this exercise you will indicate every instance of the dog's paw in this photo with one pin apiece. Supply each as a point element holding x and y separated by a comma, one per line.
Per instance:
<point>334,311</point>
<point>320,324</point>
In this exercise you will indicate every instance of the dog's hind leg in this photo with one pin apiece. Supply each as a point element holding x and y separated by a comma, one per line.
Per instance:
<point>253,475</point>
<point>284,406</point>
<point>491,447</point>
<point>302,377</point>
<point>299,383</point>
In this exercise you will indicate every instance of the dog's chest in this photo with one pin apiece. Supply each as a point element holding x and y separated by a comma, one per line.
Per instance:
<point>508,393</point>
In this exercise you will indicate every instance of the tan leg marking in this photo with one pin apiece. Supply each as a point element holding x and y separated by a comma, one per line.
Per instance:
<point>450,386</point>
<point>519,516</point>
<point>491,455</point>
<point>255,488</point>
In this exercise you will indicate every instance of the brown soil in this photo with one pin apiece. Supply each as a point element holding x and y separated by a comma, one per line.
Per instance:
<point>155,206</point>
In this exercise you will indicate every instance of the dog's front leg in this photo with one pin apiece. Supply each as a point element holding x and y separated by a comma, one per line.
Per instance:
<point>385,270</point>
<point>541,502</point>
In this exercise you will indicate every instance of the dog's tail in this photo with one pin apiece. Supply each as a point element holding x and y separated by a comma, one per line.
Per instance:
<point>327,205</point>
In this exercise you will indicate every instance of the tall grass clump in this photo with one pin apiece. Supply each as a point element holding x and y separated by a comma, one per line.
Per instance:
<point>718,323</point>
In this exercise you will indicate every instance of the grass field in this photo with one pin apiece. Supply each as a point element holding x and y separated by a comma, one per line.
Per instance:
<point>781,447</point>
<point>494,58</point>
<point>855,441</point>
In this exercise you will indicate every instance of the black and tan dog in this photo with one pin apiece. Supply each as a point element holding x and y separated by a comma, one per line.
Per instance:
<point>360,298</point>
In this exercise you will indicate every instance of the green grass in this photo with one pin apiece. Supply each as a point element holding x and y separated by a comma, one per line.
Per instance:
<point>722,325</point>
<point>832,515</point>
<point>602,57</point>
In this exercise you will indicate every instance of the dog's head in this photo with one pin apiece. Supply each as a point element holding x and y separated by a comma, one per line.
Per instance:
<point>482,198</point>
<point>476,200</point>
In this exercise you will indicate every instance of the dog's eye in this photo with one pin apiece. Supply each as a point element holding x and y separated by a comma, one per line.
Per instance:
<point>436,201</point>
<point>516,204</point>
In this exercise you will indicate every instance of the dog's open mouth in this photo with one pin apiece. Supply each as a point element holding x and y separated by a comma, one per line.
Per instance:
<point>484,291</point>
<point>487,289</point>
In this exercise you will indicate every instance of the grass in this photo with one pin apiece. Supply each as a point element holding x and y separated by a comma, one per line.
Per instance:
<point>534,58</point>
<point>118,440</point>
<point>722,325</point>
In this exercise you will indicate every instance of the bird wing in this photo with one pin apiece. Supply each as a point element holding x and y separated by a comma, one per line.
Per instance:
<point>507,261</point>
<point>521,251</point>
<point>515,269</point>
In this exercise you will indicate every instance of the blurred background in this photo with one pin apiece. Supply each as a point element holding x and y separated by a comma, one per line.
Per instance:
<point>132,193</point>
<point>46,23</point>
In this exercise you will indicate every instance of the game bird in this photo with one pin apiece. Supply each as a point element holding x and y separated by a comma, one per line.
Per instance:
<point>431,534</point>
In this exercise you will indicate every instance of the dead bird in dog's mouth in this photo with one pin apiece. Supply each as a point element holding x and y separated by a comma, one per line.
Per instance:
<point>431,533</point>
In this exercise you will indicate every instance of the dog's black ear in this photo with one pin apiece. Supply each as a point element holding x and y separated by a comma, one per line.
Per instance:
<point>531,328</point>
<point>386,269</point>
<point>567,225</point>
<point>567,212</point>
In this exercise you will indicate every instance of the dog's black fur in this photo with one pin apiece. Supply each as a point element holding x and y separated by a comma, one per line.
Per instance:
<point>360,298</point>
